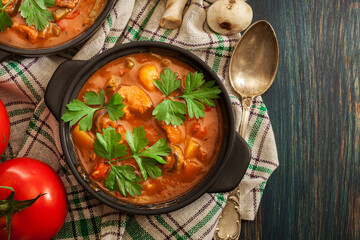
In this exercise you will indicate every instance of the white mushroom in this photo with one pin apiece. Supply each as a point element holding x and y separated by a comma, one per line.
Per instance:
<point>229,16</point>
<point>172,16</point>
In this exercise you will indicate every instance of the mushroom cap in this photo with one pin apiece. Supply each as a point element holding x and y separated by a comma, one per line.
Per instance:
<point>229,16</point>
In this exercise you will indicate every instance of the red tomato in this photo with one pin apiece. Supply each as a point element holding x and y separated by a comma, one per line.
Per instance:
<point>29,177</point>
<point>4,128</point>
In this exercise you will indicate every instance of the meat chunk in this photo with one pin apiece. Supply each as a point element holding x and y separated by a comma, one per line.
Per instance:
<point>29,32</point>
<point>12,8</point>
<point>136,100</point>
<point>174,133</point>
<point>66,3</point>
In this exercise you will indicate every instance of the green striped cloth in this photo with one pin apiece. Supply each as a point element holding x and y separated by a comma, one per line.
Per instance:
<point>34,131</point>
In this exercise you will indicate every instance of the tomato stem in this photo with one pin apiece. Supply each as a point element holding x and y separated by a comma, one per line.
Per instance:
<point>10,206</point>
<point>4,206</point>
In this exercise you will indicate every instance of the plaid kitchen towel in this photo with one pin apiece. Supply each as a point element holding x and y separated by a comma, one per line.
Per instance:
<point>34,131</point>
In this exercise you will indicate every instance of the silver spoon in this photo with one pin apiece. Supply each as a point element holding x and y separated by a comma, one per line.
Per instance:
<point>253,67</point>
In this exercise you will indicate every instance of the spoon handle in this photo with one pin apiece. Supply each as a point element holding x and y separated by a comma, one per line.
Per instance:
<point>229,225</point>
<point>246,103</point>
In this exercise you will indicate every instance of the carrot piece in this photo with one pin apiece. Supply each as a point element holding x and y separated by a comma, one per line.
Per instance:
<point>100,170</point>
<point>61,25</point>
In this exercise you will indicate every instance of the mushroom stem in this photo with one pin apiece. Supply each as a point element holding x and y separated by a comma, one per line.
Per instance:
<point>172,16</point>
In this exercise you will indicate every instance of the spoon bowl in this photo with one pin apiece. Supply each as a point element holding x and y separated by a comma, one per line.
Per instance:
<point>253,67</point>
<point>254,62</point>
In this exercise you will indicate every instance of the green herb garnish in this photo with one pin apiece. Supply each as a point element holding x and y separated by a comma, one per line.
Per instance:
<point>123,177</point>
<point>78,111</point>
<point>35,12</point>
<point>5,20</point>
<point>137,142</point>
<point>197,93</point>
<point>107,145</point>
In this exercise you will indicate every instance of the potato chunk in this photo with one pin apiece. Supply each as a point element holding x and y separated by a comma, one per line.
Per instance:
<point>81,138</point>
<point>147,75</point>
<point>192,148</point>
<point>136,100</point>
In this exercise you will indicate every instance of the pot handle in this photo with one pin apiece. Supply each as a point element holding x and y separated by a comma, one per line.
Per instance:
<point>58,85</point>
<point>4,55</point>
<point>234,169</point>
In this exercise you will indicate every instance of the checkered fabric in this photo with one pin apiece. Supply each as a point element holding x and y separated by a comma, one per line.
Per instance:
<point>34,131</point>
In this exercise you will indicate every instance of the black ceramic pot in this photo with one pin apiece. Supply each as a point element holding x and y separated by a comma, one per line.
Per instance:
<point>229,167</point>
<point>7,52</point>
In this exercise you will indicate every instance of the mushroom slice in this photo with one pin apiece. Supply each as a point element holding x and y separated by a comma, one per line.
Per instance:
<point>112,85</point>
<point>102,121</point>
<point>175,160</point>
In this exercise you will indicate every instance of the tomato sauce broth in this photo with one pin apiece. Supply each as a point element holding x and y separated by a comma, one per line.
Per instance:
<point>195,167</point>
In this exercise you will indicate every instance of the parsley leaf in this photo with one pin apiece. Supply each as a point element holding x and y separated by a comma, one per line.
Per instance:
<point>107,145</point>
<point>136,139</point>
<point>137,142</point>
<point>168,82</point>
<point>151,167</point>
<point>5,20</point>
<point>124,179</point>
<point>92,98</point>
<point>171,112</point>
<point>115,106</point>
<point>196,93</point>
<point>35,12</point>
<point>160,148</point>
<point>77,110</point>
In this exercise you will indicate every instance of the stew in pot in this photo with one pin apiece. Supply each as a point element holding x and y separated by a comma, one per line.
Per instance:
<point>149,130</point>
<point>30,24</point>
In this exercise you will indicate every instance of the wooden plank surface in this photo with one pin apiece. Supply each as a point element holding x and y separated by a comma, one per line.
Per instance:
<point>314,106</point>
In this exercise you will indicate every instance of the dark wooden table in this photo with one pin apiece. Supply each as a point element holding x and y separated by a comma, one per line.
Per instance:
<point>314,106</point>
